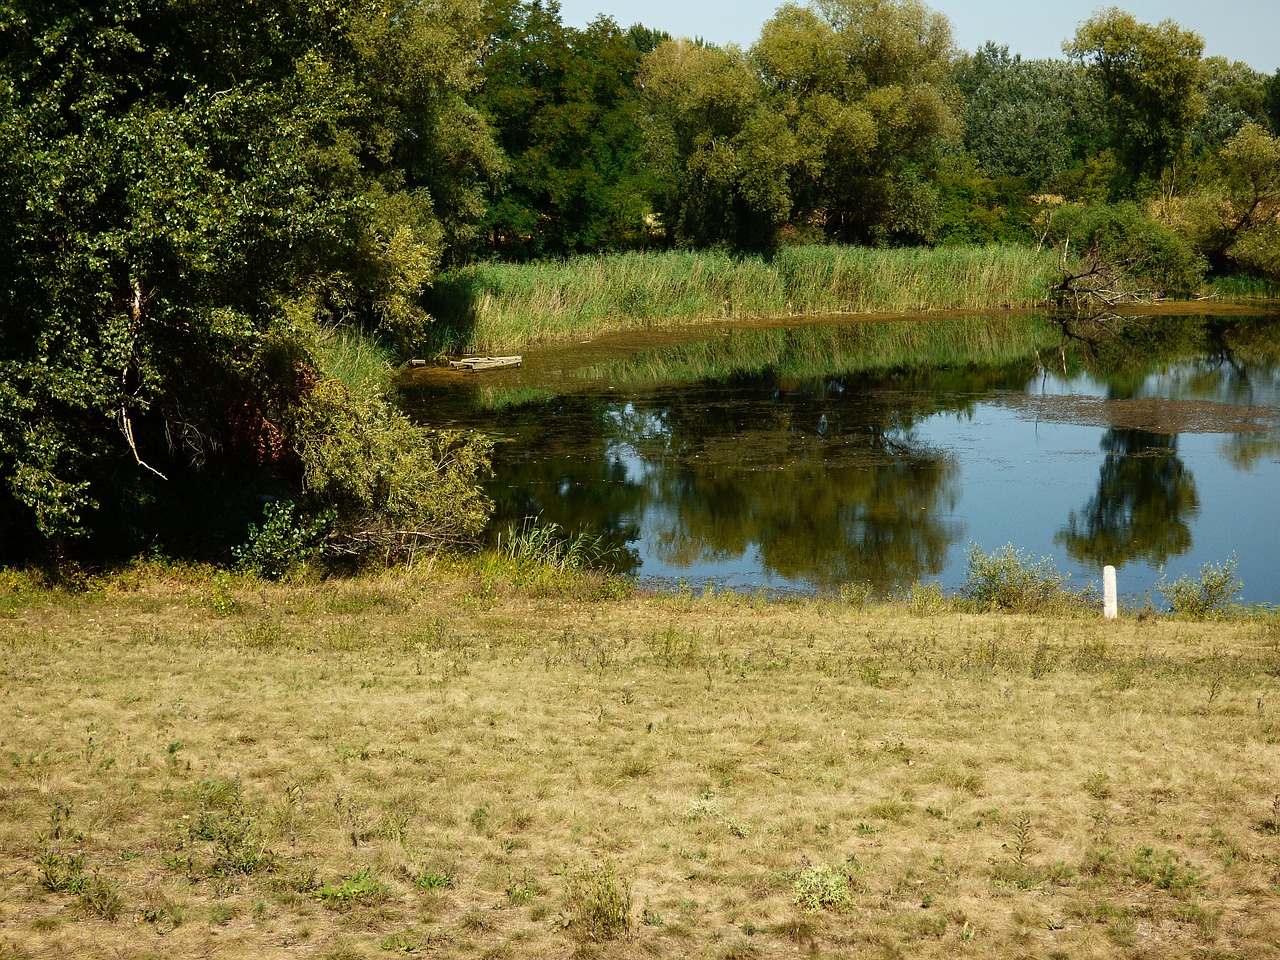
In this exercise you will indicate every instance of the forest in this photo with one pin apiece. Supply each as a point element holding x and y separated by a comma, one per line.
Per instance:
<point>212,208</point>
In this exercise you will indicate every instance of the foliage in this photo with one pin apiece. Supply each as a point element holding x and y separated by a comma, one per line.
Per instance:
<point>715,153</point>
<point>1119,252</point>
<point>1007,579</point>
<point>865,91</point>
<point>1150,79</point>
<point>1030,119</point>
<point>564,107</point>
<point>284,541</point>
<point>189,188</point>
<point>822,888</point>
<point>1204,597</point>
<point>355,888</point>
<point>395,487</point>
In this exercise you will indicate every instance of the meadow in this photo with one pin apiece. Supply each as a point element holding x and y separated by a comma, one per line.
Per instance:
<point>479,759</point>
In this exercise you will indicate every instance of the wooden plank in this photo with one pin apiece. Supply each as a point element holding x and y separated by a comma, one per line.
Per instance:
<point>484,363</point>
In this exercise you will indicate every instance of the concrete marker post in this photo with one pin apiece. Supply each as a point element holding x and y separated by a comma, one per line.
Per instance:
<point>1109,607</point>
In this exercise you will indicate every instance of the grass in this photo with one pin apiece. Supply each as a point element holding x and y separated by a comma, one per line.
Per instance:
<point>494,306</point>
<point>443,761</point>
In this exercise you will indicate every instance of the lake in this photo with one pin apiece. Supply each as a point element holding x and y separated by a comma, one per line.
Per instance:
<point>807,456</point>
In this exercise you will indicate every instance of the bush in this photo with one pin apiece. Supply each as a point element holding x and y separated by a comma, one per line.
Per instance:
<point>285,541</point>
<point>1121,252</point>
<point>822,888</point>
<point>1007,580</point>
<point>600,903</point>
<point>1205,597</point>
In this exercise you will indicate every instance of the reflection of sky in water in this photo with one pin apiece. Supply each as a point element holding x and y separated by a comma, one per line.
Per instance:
<point>1019,479</point>
<point>834,478</point>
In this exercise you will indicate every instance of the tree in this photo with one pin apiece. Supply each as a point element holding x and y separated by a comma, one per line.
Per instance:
<point>564,106</point>
<point>717,155</point>
<point>1032,119</point>
<point>865,89</point>
<point>192,188</point>
<point>1150,78</point>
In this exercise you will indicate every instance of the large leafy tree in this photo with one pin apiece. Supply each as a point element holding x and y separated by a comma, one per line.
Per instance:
<point>1031,119</point>
<point>718,155</point>
<point>190,189</point>
<point>866,90</point>
<point>1151,80</point>
<point>564,105</point>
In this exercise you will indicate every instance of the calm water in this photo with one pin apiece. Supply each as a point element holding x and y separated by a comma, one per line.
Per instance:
<point>1153,445</point>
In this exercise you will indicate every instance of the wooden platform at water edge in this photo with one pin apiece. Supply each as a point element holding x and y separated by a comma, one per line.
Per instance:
<point>484,363</point>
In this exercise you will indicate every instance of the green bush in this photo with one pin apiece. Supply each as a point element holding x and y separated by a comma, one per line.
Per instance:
<point>822,888</point>
<point>285,540</point>
<point>1207,596</point>
<point>1007,579</point>
<point>1121,251</point>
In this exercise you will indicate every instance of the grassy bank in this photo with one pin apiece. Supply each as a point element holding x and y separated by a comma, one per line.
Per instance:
<point>443,763</point>
<point>495,307</point>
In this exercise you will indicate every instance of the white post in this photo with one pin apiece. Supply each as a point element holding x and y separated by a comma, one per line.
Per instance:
<point>1109,608</point>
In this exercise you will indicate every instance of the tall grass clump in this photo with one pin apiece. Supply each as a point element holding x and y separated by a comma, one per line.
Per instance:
<point>359,361</point>
<point>493,306</point>
<point>1007,579</point>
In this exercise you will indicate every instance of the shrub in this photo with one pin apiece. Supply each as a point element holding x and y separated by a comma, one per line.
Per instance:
<point>600,903</point>
<point>285,540</point>
<point>1008,580</point>
<point>822,888</point>
<point>1205,597</point>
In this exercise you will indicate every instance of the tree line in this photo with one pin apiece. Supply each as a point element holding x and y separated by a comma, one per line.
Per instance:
<point>199,196</point>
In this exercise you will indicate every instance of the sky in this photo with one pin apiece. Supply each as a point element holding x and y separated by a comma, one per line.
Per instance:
<point>1247,30</point>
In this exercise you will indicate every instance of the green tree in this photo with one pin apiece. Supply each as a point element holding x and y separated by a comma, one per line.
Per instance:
<point>564,105</point>
<point>1151,82</point>
<point>191,188</point>
<point>865,88</point>
<point>1032,119</point>
<point>717,155</point>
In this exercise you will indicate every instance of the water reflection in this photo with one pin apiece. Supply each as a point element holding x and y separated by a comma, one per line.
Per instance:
<point>817,456</point>
<point>1142,508</point>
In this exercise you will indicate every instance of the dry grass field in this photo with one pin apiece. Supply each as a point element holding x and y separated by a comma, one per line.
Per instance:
<point>441,764</point>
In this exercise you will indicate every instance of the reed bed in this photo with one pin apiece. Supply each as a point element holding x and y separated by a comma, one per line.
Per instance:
<point>496,306</point>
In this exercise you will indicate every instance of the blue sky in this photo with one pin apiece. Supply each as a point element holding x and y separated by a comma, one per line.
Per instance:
<point>1247,30</point>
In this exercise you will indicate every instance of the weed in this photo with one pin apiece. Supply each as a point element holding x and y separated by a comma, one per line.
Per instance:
<point>433,880</point>
<point>62,872</point>
<point>101,896</point>
<point>1204,597</point>
<point>522,889</point>
<point>821,888</point>
<point>356,888</point>
<point>285,541</point>
<point>223,840</point>
<point>599,903</point>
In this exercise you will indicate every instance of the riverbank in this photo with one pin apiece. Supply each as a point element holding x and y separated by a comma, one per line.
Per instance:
<point>464,761</point>
<point>498,307</point>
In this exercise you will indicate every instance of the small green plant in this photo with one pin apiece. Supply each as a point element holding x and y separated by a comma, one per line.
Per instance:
<point>101,896</point>
<point>1007,579</point>
<point>223,840</point>
<point>433,880</point>
<point>1204,597</point>
<point>355,888</point>
<point>286,540</point>
<point>522,889</point>
<point>599,903</point>
<point>822,888</point>
<point>62,872</point>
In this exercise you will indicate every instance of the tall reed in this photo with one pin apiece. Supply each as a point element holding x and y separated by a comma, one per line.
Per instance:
<point>493,306</point>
